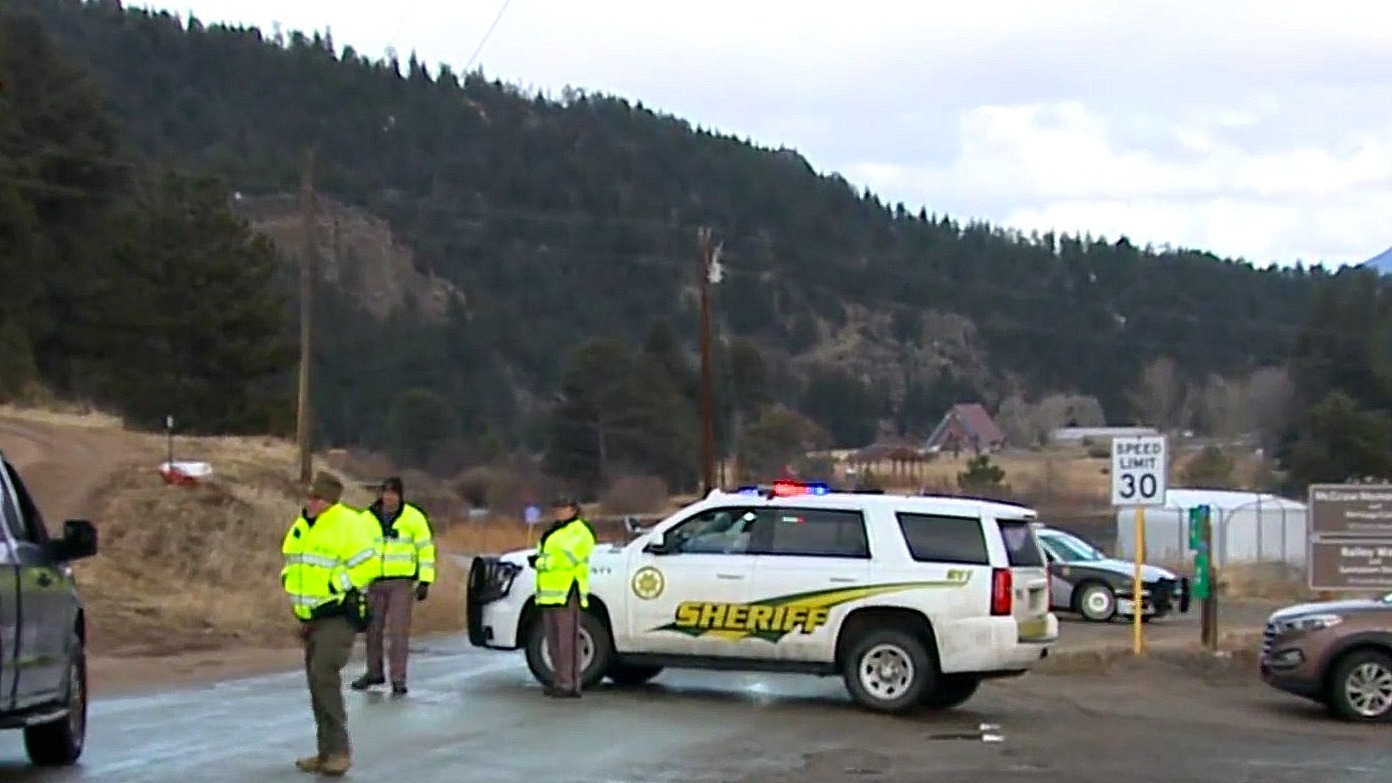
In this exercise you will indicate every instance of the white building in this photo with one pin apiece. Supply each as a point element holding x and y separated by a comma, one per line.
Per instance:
<point>1098,434</point>
<point>1247,527</point>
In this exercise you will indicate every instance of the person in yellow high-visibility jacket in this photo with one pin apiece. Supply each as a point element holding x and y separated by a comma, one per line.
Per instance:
<point>405,568</point>
<point>562,564</point>
<point>328,564</point>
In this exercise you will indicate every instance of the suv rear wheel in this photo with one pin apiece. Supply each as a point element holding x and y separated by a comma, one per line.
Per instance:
<point>889,671</point>
<point>1360,688</point>
<point>596,650</point>
<point>59,743</point>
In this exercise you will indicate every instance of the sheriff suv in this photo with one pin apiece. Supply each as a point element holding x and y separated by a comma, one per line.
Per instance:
<point>913,601</point>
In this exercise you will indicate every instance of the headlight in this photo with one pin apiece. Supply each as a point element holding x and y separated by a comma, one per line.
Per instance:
<point>1314,622</point>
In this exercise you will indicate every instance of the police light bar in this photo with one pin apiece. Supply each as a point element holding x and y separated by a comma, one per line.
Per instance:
<point>785,489</point>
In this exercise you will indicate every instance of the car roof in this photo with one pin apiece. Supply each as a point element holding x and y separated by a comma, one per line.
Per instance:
<point>948,505</point>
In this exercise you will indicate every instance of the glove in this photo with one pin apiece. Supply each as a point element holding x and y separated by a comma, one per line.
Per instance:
<point>532,560</point>
<point>304,632</point>
<point>422,590</point>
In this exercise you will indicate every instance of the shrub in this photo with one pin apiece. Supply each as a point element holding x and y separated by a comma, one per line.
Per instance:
<point>635,495</point>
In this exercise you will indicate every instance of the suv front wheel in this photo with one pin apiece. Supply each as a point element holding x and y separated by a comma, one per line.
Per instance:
<point>596,650</point>
<point>1360,688</point>
<point>888,671</point>
<point>59,742</point>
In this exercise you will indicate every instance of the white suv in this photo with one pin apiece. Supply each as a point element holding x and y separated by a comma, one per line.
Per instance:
<point>912,600</point>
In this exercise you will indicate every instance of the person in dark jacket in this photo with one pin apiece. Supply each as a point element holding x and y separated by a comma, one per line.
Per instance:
<point>405,569</point>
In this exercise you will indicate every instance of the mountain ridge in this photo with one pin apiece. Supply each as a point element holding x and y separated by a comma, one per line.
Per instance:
<point>556,221</point>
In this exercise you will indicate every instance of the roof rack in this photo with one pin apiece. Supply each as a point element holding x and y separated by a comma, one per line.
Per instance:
<point>979,499</point>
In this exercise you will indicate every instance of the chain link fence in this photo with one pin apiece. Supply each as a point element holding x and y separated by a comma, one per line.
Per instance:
<point>1248,527</point>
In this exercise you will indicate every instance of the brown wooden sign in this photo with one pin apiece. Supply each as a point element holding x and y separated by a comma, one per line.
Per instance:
<point>1356,565</point>
<point>1350,537</point>
<point>1351,510</point>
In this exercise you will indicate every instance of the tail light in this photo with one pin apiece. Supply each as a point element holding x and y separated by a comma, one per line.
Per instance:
<point>1002,592</point>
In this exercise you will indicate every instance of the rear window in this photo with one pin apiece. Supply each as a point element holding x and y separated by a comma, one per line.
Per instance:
<point>1020,544</point>
<point>942,539</point>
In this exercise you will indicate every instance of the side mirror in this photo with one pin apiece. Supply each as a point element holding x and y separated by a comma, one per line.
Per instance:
<point>656,546</point>
<point>79,540</point>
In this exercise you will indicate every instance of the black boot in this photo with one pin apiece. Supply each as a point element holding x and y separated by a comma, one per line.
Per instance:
<point>398,689</point>
<point>366,681</point>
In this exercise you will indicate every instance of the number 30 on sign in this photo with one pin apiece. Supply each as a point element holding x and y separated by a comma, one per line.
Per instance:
<point>1139,471</point>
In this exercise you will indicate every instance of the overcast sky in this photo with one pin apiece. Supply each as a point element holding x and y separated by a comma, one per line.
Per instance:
<point>1260,129</point>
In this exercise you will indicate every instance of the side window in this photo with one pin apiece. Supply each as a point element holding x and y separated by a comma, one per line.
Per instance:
<point>815,532</point>
<point>1021,544</point>
<point>713,531</point>
<point>31,524</point>
<point>942,539</point>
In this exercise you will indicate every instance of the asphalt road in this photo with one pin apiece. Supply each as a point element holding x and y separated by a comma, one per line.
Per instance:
<point>476,716</point>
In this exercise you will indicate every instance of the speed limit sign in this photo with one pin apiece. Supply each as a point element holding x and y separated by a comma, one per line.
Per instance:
<point>1139,471</point>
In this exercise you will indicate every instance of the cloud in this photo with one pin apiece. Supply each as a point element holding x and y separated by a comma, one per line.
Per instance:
<point>1257,128</point>
<point>1062,166</point>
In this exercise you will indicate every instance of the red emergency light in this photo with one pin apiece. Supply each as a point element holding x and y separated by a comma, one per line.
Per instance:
<point>784,489</point>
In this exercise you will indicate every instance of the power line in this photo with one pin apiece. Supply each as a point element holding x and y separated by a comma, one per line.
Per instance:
<point>488,34</point>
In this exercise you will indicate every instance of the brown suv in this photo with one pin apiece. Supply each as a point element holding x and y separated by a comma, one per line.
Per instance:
<point>1338,653</point>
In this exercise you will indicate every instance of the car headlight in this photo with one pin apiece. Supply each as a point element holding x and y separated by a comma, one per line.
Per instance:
<point>1314,622</point>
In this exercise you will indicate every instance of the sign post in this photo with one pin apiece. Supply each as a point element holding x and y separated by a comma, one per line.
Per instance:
<point>1349,543</point>
<point>1140,471</point>
<point>169,438</point>
<point>1201,588</point>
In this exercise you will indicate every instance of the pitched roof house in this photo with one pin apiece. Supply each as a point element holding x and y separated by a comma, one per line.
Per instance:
<point>966,426</point>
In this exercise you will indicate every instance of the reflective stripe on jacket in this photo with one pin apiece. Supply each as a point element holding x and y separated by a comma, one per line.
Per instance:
<point>405,548</point>
<point>325,559</point>
<point>563,561</point>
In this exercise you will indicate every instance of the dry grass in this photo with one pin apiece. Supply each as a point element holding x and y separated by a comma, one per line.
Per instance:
<point>68,415</point>
<point>491,537</point>
<point>190,568</point>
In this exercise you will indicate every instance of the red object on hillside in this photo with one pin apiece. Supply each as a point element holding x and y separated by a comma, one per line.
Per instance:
<point>184,474</point>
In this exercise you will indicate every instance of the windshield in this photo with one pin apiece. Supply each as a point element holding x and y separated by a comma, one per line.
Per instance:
<point>1069,549</point>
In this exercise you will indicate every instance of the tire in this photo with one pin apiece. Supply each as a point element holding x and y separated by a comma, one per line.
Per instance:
<point>1360,688</point>
<point>596,644</point>
<point>1096,603</point>
<point>59,743</point>
<point>889,671</point>
<point>629,676</point>
<point>953,690</point>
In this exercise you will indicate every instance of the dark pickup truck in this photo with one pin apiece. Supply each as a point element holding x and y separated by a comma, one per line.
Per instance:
<point>43,663</point>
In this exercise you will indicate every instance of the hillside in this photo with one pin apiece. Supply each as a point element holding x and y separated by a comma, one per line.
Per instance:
<point>217,543</point>
<point>530,224</point>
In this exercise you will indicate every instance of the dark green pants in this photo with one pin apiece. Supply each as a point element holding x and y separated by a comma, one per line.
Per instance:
<point>327,649</point>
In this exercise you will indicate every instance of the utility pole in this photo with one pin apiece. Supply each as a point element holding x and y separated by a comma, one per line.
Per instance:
<point>704,254</point>
<point>307,274</point>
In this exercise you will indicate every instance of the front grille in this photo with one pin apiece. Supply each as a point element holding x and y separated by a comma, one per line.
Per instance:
<point>1162,595</point>
<point>1268,638</point>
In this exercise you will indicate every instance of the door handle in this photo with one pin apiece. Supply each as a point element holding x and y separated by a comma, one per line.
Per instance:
<point>843,580</point>
<point>45,580</point>
<point>729,576</point>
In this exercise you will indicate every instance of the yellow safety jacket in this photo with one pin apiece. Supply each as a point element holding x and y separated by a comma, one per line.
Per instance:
<point>405,548</point>
<point>563,563</point>
<point>325,558</point>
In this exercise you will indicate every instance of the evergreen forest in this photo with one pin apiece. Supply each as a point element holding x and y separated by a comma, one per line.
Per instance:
<point>542,292</point>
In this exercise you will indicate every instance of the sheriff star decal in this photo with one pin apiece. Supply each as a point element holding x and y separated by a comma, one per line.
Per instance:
<point>648,583</point>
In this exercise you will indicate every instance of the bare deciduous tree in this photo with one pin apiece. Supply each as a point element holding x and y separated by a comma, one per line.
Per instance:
<point>1223,410</point>
<point>1017,421</point>
<point>1270,404</point>
<point>1161,400</point>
